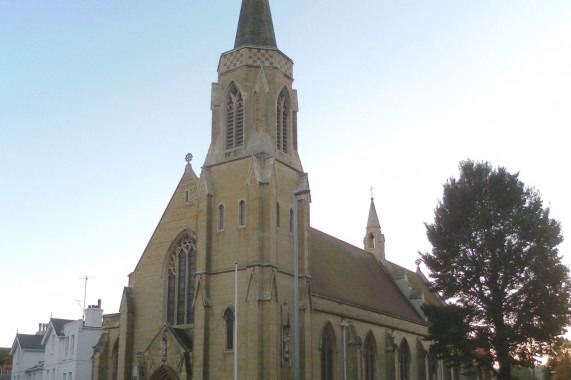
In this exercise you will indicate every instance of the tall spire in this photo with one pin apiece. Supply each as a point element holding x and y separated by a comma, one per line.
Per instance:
<point>255,26</point>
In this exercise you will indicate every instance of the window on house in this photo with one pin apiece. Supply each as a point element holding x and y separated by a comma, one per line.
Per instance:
<point>229,323</point>
<point>370,355</point>
<point>282,117</point>
<point>180,282</point>
<point>220,217</point>
<point>291,220</point>
<point>71,345</point>
<point>242,213</point>
<point>234,118</point>
<point>327,349</point>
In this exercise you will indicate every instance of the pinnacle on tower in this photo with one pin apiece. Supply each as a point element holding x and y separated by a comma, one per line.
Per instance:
<point>374,240</point>
<point>255,26</point>
<point>373,220</point>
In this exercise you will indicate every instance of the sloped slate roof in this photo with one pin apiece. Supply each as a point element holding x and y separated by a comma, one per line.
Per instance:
<point>29,342</point>
<point>351,275</point>
<point>59,324</point>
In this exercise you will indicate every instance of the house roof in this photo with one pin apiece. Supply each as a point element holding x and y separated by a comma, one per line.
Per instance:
<point>58,325</point>
<point>29,342</point>
<point>348,274</point>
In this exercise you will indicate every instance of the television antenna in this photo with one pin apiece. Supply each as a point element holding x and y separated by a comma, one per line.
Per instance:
<point>84,294</point>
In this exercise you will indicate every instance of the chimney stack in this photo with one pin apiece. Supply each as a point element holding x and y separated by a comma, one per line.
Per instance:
<point>94,315</point>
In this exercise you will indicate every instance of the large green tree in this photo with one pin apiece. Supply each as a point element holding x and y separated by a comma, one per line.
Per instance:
<point>495,262</point>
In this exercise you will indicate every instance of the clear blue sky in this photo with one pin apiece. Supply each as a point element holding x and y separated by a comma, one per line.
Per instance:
<point>101,100</point>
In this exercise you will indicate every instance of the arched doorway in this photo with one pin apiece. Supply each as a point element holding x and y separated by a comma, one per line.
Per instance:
<point>164,373</point>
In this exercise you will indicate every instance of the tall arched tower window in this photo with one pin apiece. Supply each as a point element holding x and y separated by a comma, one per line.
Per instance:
<point>282,120</point>
<point>234,118</point>
<point>180,281</point>
<point>327,349</point>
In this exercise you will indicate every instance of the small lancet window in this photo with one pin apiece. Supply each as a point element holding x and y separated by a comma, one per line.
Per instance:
<point>277,215</point>
<point>282,119</point>
<point>220,217</point>
<point>234,118</point>
<point>327,349</point>
<point>229,324</point>
<point>370,356</point>
<point>404,360</point>
<point>291,220</point>
<point>372,242</point>
<point>242,214</point>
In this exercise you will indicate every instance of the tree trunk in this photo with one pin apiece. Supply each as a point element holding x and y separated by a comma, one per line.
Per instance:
<point>505,371</point>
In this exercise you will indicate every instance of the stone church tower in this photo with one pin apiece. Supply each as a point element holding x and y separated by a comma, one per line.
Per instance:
<point>227,235</point>
<point>245,204</point>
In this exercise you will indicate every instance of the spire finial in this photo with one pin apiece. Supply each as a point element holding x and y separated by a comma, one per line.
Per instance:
<point>188,158</point>
<point>371,189</point>
<point>255,26</point>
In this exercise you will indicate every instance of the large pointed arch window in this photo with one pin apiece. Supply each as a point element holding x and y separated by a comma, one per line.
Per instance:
<point>234,118</point>
<point>180,282</point>
<point>282,120</point>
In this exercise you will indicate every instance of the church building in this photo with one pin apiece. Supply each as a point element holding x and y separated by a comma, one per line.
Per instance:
<point>214,290</point>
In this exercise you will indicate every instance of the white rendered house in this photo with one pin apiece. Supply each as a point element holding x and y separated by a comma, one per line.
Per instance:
<point>61,350</point>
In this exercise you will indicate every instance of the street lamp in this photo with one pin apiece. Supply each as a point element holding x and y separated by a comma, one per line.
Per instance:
<point>296,193</point>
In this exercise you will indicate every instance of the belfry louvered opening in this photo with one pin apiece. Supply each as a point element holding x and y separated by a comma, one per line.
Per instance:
<point>282,119</point>
<point>234,118</point>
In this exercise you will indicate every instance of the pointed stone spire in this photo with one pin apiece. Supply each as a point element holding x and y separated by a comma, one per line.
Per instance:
<point>373,221</point>
<point>374,240</point>
<point>255,26</point>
